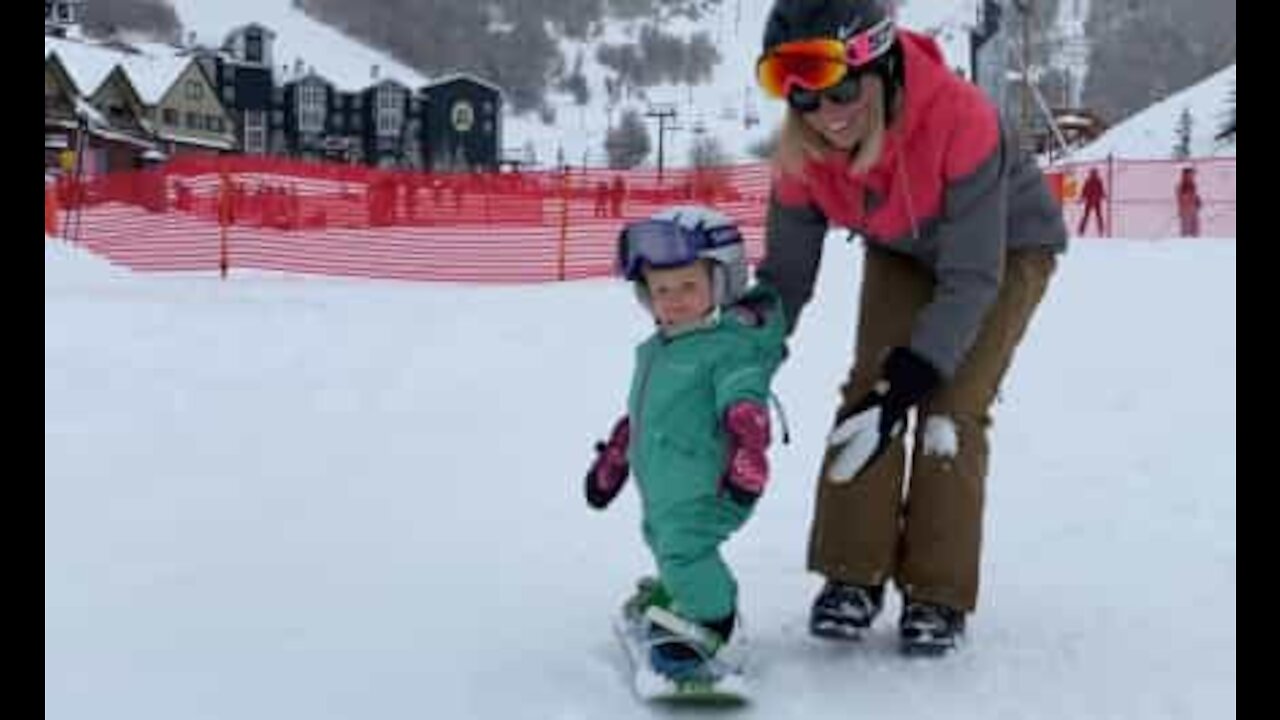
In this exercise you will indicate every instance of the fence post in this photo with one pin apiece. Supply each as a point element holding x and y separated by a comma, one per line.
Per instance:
<point>50,210</point>
<point>564,221</point>
<point>1111,195</point>
<point>224,219</point>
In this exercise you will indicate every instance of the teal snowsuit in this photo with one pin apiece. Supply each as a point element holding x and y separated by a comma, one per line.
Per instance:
<point>680,391</point>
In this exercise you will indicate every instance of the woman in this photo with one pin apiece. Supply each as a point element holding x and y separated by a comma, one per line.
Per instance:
<point>961,238</point>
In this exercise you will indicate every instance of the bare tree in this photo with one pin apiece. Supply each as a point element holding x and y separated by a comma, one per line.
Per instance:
<point>708,152</point>
<point>627,145</point>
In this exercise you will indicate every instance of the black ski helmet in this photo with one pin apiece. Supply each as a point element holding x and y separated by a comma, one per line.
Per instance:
<point>791,20</point>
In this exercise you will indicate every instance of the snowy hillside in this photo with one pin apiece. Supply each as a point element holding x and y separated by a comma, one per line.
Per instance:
<point>1153,132</point>
<point>717,108</point>
<point>345,61</point>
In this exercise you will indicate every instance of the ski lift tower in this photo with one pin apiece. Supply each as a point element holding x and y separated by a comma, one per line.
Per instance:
<point>665,114</point>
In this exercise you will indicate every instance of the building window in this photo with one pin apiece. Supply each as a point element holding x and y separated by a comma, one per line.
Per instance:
<point>253,46</point>
<point>193,120</point>
<point>390,111</point>
<point>229,94</point>
<point>194,90</point>
<point>255,132</point>
<point>48,9</point>
<point>169,116</point>
<point>311,108</point>
<point>64,12</point>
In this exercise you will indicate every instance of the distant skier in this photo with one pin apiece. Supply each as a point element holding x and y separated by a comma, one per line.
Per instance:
<point>1188,197</point>
<point>1093,194</point>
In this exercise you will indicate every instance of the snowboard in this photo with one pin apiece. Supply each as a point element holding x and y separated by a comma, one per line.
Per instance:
<point>721,680</point>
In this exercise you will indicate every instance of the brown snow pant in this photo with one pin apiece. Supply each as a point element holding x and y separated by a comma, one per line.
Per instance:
<point>928,539</point>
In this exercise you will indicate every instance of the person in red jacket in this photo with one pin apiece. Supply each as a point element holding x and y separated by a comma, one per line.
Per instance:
<point>1188,196</point>
<point>1093,195</point>
<point>961,237</point>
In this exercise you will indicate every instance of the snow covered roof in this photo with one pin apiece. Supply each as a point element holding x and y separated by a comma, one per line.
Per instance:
<point>110,134</point>
<point>89,112</point>
<point>87,64</point>
<point>310,74</point>
<point>223,144</point>
<point>451,77</point>
<point>153,76</point>
<point>152,70</point>
<point>251,26</point>
<point>387,81</point>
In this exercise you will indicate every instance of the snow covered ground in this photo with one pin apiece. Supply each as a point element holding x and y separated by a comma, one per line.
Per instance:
<point>282,497</point>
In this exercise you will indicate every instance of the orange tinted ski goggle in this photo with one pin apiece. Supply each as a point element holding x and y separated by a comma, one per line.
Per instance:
<point>819,63</point>
<point>810,64</point>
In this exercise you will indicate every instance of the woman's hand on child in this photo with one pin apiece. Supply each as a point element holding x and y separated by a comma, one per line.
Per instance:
<point>864,431</point>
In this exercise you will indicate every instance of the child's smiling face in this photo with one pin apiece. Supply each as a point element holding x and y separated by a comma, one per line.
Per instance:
<point>679,295</point>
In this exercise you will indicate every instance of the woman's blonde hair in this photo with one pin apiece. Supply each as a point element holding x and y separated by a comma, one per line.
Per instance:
<point>799,143</point>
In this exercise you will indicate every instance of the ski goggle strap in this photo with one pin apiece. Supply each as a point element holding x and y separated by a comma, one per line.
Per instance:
<point>870,44</point>
<point>667,244</point>
<point>819,63</point>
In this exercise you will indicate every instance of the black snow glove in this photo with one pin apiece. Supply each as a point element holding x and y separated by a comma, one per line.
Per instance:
<point>864,431</point>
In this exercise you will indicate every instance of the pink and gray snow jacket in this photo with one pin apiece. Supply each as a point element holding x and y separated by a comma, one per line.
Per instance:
<point>950,190</point>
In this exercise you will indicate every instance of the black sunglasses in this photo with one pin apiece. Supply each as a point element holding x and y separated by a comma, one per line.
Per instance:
<point>804,100</point>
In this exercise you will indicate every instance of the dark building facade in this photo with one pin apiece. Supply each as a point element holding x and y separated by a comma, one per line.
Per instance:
<point>462,124</point>
<point>390,117</point>
<point>241,70</point>
<point>308,111</point>
<point>452,124</point>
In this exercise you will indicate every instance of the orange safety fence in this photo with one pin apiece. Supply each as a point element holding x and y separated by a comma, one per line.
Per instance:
<point>1140,199</point>
<point>276,215</point>
<point>272,214</point>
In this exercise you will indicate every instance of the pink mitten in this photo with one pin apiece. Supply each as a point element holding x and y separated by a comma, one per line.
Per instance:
<point>748,468</point>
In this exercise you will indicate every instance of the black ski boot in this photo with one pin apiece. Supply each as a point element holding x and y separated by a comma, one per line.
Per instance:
<point>929,630</point>
<point>843,611</point>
